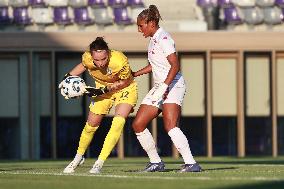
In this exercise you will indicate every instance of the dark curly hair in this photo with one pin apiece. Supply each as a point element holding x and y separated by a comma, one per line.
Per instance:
<point>98,44</point>
<point>150,14</point>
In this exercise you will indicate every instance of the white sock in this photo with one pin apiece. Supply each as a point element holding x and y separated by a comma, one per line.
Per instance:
<point>99,162</point>
<point>78,157</point>
<point>181,143</point>
<point>148,144</point>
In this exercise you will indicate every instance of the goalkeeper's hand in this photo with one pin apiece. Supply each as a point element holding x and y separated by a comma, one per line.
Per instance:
<point>60,86</point>
<point>159,91</point>
<point>94,92</point>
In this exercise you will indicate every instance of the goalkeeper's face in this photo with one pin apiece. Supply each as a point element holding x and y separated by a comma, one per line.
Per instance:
<point>100,58</point>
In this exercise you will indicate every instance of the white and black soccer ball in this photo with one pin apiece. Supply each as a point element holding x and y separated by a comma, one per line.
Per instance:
<point>73,86</point>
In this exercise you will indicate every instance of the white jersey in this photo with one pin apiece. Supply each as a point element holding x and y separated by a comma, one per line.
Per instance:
<point>160,46</point>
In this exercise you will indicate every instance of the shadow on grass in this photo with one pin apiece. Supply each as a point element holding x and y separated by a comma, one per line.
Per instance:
<point>261,185</point>
<point>177,170</point>
<point>237,161</point>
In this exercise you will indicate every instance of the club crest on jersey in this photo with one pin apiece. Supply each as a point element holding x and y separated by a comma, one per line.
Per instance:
<point>109,72</point>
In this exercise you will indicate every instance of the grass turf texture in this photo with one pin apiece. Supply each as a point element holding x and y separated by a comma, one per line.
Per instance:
<point>220,172</point>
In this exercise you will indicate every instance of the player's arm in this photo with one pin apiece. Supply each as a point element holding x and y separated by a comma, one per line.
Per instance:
<point>120,84</point>
<point>175,67</point>
<point>78,69</point>
<point>117,85</point>
<point>143,71</point>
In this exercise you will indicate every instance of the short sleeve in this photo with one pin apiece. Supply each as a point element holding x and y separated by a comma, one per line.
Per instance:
<point>125,71</point>
<point>87,59</point>
<point>167,45</point>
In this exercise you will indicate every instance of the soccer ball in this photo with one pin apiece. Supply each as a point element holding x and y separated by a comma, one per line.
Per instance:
<point>73,86</point>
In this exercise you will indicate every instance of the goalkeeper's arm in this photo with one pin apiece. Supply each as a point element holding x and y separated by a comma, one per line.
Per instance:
<point>120,84</point>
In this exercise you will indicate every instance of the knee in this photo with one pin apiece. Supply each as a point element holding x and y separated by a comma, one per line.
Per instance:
<point>92,123</point>
<point>168,125</point>
<point>137,126</point>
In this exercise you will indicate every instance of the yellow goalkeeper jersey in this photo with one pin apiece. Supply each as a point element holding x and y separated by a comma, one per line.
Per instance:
<point>118,68</point>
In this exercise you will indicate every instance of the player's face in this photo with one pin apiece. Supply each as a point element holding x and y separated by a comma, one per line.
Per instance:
<point>100,58</point>
<point>145,28</point>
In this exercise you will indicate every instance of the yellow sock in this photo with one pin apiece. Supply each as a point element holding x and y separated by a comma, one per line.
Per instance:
<point>112,137</point>
<point>86,138</point>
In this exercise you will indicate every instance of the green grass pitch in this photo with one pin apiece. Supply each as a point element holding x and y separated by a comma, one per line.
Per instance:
<point>218,172</point>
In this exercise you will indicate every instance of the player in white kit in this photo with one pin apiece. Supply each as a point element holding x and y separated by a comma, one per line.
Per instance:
<point>166,96</point>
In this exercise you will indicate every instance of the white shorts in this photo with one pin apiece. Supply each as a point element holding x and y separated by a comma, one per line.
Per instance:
<point>175,95</point>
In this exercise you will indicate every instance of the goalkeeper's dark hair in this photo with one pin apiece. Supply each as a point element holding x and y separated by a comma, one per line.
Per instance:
<point>150,14</point>
<point>98,45</point>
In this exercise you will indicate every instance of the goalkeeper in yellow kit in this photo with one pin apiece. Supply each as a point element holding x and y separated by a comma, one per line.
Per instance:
<point>114,85</point>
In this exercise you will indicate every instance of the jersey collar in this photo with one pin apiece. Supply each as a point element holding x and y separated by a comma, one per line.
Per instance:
<point>157,33</point>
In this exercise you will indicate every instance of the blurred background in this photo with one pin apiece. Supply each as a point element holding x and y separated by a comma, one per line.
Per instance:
<point>231,54</point>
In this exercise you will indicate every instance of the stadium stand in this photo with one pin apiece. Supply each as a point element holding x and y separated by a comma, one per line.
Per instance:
<point>58,3</point>
<point>135,3</point>
<point>231,16</point>
<point>77,3</point>
<point>21,16</point>
<point>253,15</point>
<point>37,3</point>
<point>264,3</point>
<point>18,3</point>
<point>96,3</point>
<point>81,16</point>
<point>3,3</point>
<point>121,16</point>
<point>193,15</point>
<point>61,15</point>
<point>99,14</point>
<point>102,16</point>
<point>225,3</point>
<point>206,3</point>
<point>4,16</point>
<point>279,3</point>
<point>117,3</point>
<point>244,3</point>
<point>42,17</point>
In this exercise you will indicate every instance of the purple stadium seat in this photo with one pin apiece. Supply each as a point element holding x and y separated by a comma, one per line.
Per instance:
<point>37,3</point>
<point>231,16</point>
<point>282,14</point>
<point>61,16</point>
<point>206,3</point>
<point>117,3</point>
<point>135,3</point>
<point>4,15</point>
<point>121,16</point>
<point>225,3</point>
<point>21,15</point>
<point>81,16</point>
<point>96,3</point>
<point>279,3</point>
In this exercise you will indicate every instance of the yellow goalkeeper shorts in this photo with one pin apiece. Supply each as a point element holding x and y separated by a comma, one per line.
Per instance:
<point>101,105</point>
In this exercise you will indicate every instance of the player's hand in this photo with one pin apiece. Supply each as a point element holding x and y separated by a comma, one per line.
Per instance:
<point>60,86</point>
<point>94,92</point>
<point>159,92</point>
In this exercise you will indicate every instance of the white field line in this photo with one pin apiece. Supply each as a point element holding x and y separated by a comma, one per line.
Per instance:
<point>143,177</point>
